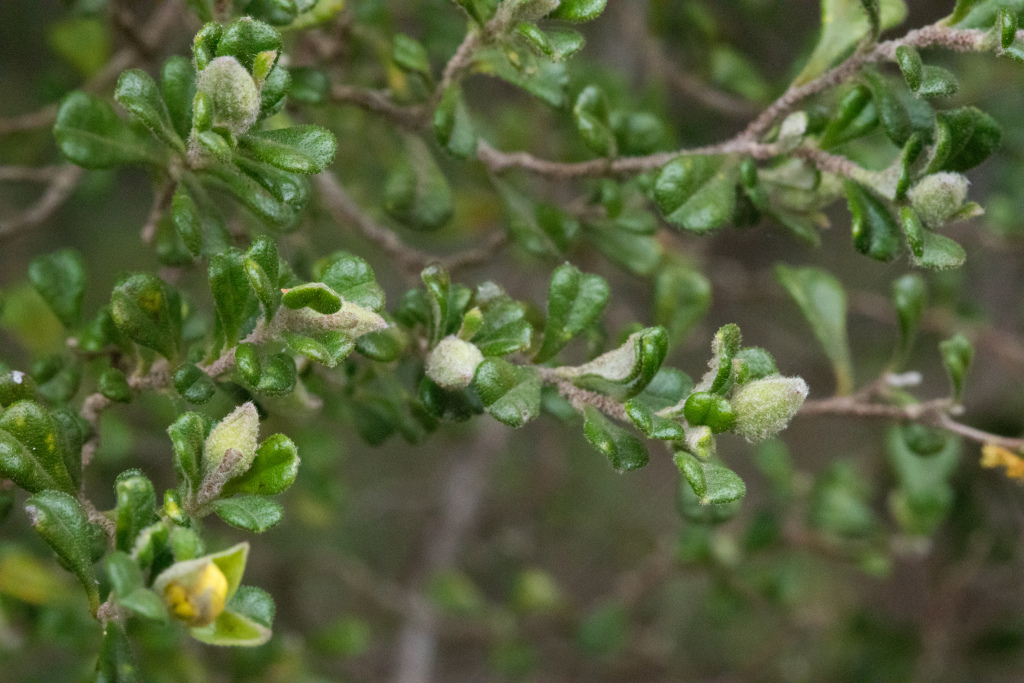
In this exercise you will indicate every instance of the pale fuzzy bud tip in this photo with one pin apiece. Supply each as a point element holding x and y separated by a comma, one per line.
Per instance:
<point>453,363</point>
<point>238,431</point>
<point>937,197</point>
<point>764,407</point>
<point>233,93</point>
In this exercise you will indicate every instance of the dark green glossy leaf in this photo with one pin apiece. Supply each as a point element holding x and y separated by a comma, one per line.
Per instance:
<point>965,137</point>
<point>178,87</point>
<point>299,149</point>
<point>136,507</point>
<point>232,295</point>
<point>510,393</point>
<point>250,513</point>
<point>148,311</point>
<point>313,295</point>
<point>352,278</point>
<point>874,229</point>
<point>575,302</point>
<point>193,385</point>
<point>91,135</point>
<point>59,277</point>
<point>188,433</point>
<point>909,298</point>
<point>579,10</point>
<point>591,116</point>
<point>651,425</point>
<point>245,39</point>
<point>261,269</point>
<point>33,453</point>
<point>696,193</point>
<point>623,450</point>
<point>138,93</point>
<point>822,300</point>
<point>279,375</point>
<point>64,525</point>
<point>114,386</point>
<point>272,472</point>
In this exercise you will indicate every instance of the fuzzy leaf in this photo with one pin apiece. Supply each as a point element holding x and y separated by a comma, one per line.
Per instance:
<point>251,513</point>
<point>696,193</point>
<point>272,472</point>
<point>623,450</point>
<point>352,278</point>
<point>148,312</point>
<point>91,135</point>
<point>575,302</point>
<point>510,393</point>
<point>138,93</point>
<point>64,525</point>
<point>59,278</point>
<point>299,149</point>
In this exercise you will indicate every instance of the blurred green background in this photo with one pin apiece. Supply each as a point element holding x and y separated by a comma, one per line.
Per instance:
<point>562,570</point>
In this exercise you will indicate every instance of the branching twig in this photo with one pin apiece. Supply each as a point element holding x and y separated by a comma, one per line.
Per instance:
<point>62,184</point>
<point>930,413</point>
<point>463,495</point>
<point>345,210</point>
<point>411,117</point>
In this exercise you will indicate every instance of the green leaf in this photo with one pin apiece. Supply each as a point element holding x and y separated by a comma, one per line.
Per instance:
<point>114,386</point>
<point>187,221</point>
<point>188,433</point>
<point>510,393</point>
<point>453,125</point>
<point>1006,22</point>
<point>310,85</point>
<point>352,278</point>
<point>416,192</point>
<point>840,503</point>
<point>232,296</point>
<point>541,229</point>
<point>937,252</point>
<point>822,300</point>
<point>193,385</point>
<point>263,204</point>
<point>651,425</point>
<point>204,45</point>
<point>704,408</point>
<point>960,11</point>
<point>668,388</point>
<point>629,240</point>
<point>844,23</point>
<point>909,61</point>
<point>760,363</point>
<point>91,135</point>
<point>965,137</point>
<point>874,229</point>
<point>148,311</point>
<point>255,604</point>
<point>279,376</point>
<point>251,513</point>
<point>438,286</point>
<point>623,450</point>
<point>272,472</point>
<point>623,372</point>
<point>232,629</point>
<point>59,278</point>
<point>327,348</point>
<point>591,116</point>
<point>937,82</point>
<point>245,39</point>
<point>305,149</point>
<point>116,664</point>
<point>558,44</point>
<point>891,110</point>
<point>136,507</point>
<point>33,453</point>
<point>313,295</point>
<point>124,574</point>
<point>178,87</point>
<point>909,298</point>
<point>385,346</point>
<point>723,485</point>
<point>275,87</point>
<point>261,269</point>
<point>682,297</point>
<point>410,55</point>
<point>542,78</point>
<point>138,93</point>
<point>873,8</point>
<point>449,405</point>
<point>696,193</point>
<point>855,117</point>
<point>504,328</point>
<point>64,525</point>
<point>575,302</point>
<point>82,41</point>
<point>957,356</point>
<point>247,362</point>
<point>16,386</point>
<point>144,603</point>
<point>578,10</point>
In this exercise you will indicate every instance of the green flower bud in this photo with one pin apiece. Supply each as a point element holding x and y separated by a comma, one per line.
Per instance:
<point>764,407</point>
<point>938,197</point>
<point>453,363</point>
<point>233,93</point>
<point>238,432</point>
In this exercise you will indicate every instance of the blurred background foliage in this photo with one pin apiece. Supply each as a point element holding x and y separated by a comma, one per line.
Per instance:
<point>567,570</point>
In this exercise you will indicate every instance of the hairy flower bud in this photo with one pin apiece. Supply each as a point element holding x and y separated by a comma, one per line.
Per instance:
<point>764,407</point>
<point>233,94</point>
<point>938,197</point>
<point>237,432</point>
<point>453,363</point>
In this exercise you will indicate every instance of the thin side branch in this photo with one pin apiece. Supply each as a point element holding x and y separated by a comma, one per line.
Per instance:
<point>62,184</point>
<point>344,209</point>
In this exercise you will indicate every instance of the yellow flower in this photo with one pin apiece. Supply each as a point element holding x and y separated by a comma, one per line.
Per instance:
<point>198,598</point>
<point>993,456</point>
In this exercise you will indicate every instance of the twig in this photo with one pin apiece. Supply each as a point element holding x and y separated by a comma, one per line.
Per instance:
<point>580,398</point>
<point>963,40</point>
<point>345,210</point>
<point>161,202</point>
<point>29,174</point>
<point>62,184</point>
<point>462,499</point>
<point>162,20</point>
<point>411,117</point>
<point>930,413</point>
